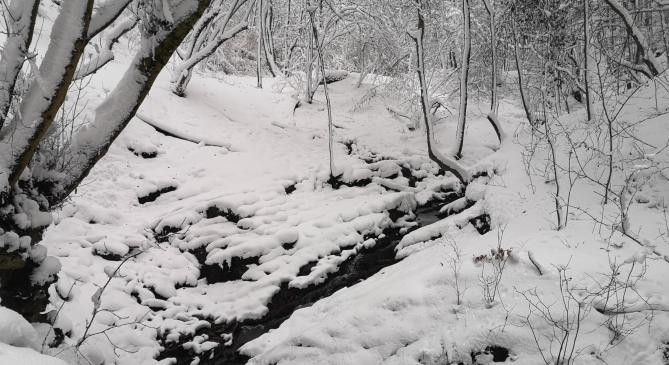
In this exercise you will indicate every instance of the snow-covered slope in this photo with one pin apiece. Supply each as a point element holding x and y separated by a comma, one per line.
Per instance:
<point>209,206</point>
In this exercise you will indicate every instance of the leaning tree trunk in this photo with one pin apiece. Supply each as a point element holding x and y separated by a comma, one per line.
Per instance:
<point>644,53</point>
<point>521,86</point>
<point>494,100</point>
<point>435,155</point>
<point>219,32</point>
<point>25,270</point>
<point>464,79</point>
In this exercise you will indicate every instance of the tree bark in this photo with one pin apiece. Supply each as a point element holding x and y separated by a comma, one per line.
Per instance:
<point>521,86</point>
<point>47,92</point>
<point>464,79</point>
<point>586,57</point>
<point>494,101</point>
<point>442,161</point>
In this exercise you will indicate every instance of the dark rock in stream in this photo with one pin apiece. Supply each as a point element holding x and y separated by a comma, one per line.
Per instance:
<point>228,271</point>
<point>499,354</point>
<point>152,196</point>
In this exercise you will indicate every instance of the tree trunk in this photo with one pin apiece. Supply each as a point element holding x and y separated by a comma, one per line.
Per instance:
<point>218,34</point>
<point>442,161</point>
<point>261,28</point>
<point>92,142</point>
<point>586,57</point>
<point>521,86</point>
<point>494,102</point>
<point>464,78</point>
<point>308,65</point>
<point>47,92</point>
<point>319,50</point>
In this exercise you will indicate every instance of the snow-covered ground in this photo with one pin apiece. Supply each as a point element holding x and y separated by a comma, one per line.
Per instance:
<point>244,196</point>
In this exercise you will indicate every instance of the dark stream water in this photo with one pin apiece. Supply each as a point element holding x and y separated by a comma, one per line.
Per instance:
<point>357,268</point>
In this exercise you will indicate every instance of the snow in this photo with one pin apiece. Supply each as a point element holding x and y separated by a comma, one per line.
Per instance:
<point>24,356</point>
<point>15,330</point>
<point>238,150</point>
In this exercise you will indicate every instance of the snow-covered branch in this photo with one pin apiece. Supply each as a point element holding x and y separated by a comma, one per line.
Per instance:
<point>105,14</point>
<point>48,90</point>
<point>637,35</point>
<point>20,24</point>
<point>444,162</point>
<point>91,143</point>
<point>105,54</point>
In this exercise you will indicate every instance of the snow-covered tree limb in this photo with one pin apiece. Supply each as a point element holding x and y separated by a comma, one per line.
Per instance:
<point>48,90</point>
<point>159,43</point>
<point>444,162</point>
<point>637,35</point>
<point>205,46</point>
<point>105,55</point>
<point>20,24</point>
<point>104,15</point>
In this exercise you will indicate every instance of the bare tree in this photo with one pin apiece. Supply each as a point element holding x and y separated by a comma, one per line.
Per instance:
<point>445,163</point>
<point>210,33</point>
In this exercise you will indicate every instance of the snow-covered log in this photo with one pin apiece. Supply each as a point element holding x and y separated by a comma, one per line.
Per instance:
<point>332,76</point>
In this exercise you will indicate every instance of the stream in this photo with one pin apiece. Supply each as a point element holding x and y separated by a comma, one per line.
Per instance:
<point>357,268</point>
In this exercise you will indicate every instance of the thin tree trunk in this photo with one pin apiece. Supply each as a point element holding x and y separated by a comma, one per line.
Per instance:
<point>586,57</point>
<point>521,86</point>
<point>269,44</point>
<point>261,28</point>
<point>494,101</point>
<point>319,51</point>
<point>464,78</point>
<point>309,64</point>
<point>442,161</point>
<point>181,74</point>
